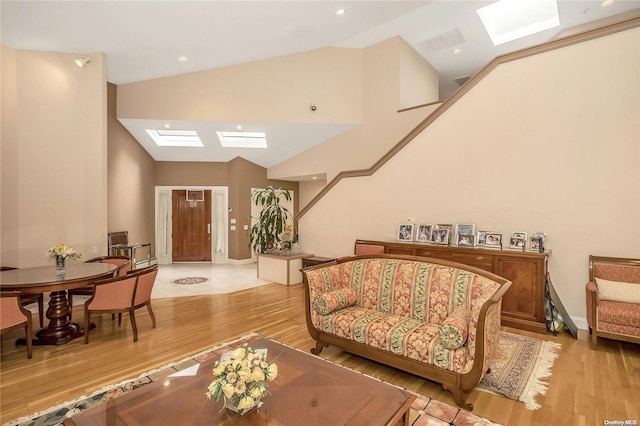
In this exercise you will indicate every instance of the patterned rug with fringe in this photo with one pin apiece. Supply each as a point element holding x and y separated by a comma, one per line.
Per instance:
<point>424,411</point>
<point>521,368</point>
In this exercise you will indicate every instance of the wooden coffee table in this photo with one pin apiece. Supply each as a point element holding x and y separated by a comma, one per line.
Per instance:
<point>308,390</point>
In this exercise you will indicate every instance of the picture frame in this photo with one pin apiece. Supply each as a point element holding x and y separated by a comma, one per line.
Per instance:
<point>423,234</point>
<point>440,236</point>
<point>536,244</point>
<point>445,226</point>
<point>493,240</point>
<point>466,240</point>
<point>466,229</point>
<point>405,232</point>
<point>517,243</point>
<point>481,239</point>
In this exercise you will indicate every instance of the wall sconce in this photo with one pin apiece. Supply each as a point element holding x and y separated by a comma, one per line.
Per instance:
<point>82,62</point>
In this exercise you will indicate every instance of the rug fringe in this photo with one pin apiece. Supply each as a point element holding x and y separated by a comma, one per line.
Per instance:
<point>538,384</point>
<point>122,383</point>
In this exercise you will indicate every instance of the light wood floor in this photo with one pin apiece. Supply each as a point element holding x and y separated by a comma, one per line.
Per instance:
<point>587,387</point>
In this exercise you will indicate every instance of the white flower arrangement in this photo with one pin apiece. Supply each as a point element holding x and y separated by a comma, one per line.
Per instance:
<point>64,251</point>
<point>242,379</point>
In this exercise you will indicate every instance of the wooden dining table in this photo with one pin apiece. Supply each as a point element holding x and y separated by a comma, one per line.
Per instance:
<point>43,279</point>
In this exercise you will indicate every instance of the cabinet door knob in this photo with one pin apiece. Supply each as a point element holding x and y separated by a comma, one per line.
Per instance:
<point>479,257</point>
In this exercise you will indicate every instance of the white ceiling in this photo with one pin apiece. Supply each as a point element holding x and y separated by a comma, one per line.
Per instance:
<point>143,39</point>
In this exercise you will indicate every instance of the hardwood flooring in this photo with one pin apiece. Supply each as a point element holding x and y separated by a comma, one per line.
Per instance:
<point>587,387</point>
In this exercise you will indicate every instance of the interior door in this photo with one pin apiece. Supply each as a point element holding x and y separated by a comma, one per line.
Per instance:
<point>191,225</point>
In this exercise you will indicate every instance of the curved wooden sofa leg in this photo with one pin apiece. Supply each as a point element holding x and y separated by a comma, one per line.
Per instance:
<point>318,348</point>
<point>460,398</point>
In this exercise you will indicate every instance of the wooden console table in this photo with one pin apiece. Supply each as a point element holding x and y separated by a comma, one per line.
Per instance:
<point>523,304</point>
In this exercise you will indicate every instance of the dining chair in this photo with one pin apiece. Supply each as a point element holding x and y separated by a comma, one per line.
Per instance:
<point>28,299</point>
<point>112,296</point>
<point>14,315</point>
<point>146,280</point>
<point>122,262</point>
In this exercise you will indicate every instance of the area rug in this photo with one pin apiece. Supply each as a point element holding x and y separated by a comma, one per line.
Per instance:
<point>190,280</point>
<point>424,411</point>
<point>521,368</point>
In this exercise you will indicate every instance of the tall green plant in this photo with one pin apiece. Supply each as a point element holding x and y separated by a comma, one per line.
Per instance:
<point>267,232</point>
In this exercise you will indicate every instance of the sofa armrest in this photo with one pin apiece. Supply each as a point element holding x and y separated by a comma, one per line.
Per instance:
<point>592,303</point>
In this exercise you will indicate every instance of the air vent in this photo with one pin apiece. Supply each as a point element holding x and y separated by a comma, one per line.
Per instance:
<point>462,80</point>
<point>442,41</point>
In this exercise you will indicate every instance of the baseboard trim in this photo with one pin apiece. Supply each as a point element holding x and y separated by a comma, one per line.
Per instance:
<point>581,323</point>
<point>241,261</point>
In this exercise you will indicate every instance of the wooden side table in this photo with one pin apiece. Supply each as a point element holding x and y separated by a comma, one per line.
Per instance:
<point>315,260</point>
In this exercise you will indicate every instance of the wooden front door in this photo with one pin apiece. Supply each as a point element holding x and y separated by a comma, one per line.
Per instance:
<point>191,223</point>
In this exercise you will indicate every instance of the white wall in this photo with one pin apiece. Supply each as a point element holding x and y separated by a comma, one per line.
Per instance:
<point>55,136</point>
<point>548,143</point>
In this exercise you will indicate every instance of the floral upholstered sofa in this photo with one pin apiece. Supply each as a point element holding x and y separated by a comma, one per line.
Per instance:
<point>613,299</point>
<point>433,318</point>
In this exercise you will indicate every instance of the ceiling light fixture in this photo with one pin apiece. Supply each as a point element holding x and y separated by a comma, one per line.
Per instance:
<point>239,127</point>
<point>456,51</point>
<point>340,12</point>
<point>183,59</point>
<point>82,62</point>
<point>607,3</point>
<point>166,125</point>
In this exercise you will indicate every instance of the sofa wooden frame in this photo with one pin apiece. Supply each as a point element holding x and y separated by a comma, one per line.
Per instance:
<point>459,385</point>
<point>593,299</point>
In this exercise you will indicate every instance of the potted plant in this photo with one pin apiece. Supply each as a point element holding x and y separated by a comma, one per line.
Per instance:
<point>268,232</point>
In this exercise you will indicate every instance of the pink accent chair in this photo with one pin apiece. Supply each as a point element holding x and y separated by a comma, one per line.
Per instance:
<point>13,315</point>
<point>609,314</point>
<point>122,262</point>
<point>362,248</point>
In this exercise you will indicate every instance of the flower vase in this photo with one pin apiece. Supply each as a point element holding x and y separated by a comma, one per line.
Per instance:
<point>231,406</point>
<point>60,267</point>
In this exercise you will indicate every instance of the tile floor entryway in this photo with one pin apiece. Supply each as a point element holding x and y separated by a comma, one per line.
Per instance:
<point>220,279</point>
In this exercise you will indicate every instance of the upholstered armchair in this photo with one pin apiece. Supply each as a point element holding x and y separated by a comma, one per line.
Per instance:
<point>13,315</point>
<point>613,299</point>
<point>122,262</point>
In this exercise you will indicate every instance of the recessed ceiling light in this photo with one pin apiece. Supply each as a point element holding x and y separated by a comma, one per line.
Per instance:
<point>239,127</point>
<point>508,20</point>
<point>456,51</point>
<point>180,138</point>
<point>607,3</point>
<point>340,12</point>
<point>183,59</point>
<point>243,139</point>
<point>166,125</point>
<point>314,177</point>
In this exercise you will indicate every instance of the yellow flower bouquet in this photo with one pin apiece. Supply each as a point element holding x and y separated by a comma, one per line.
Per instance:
<point>242,379</point>
<point>63,251</point>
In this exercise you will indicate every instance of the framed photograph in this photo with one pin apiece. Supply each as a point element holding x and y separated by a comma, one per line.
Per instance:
<point>424,233</point>
<point>493,240</point>
<point>466,240</point>
<point>468,229</point>
<point>520,235</point>
<point>517,243</point>
<point>535,244</point>
<point>482,238</point>
<point>405,232</point>
<point>440,236</point>
<point>445,226</point>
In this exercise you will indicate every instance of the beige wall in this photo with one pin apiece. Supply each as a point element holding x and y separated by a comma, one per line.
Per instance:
<point>384,64</point>
<point>549,143</point>
<point>172,173</point>
<point>130,188</point>
<point>54,155</point>
<point>273,90</point>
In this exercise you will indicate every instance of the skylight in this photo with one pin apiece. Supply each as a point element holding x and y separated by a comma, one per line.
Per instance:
<point>182,138</point>
<point>243,139</point>
<point>508,20</point>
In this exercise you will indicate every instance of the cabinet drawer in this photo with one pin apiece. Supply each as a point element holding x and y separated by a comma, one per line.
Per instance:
<point>479,260</point>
